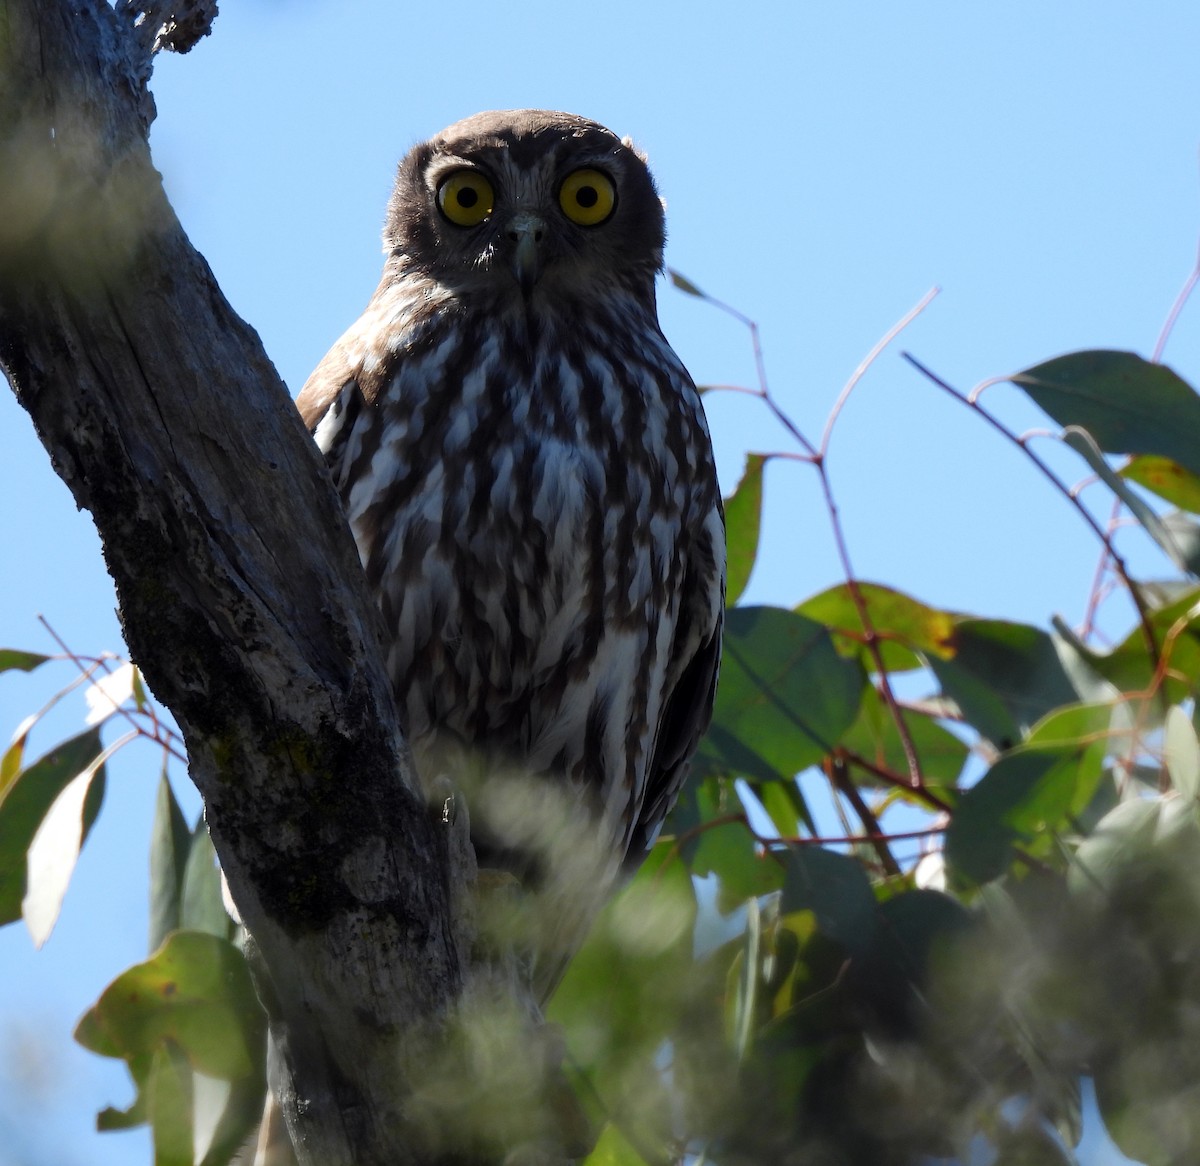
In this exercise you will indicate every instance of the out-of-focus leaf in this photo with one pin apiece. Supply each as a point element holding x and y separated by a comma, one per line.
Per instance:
<point>13,658</point>
<point>743,513</point>
<point>201,907</point>
<point>26,802</point>
<point>14,755</point>
<point>1024,799</point>
<point>1167,479</point>
<point>108,692</point>
<point>835,889</point>
<point>1182,753</point>
<point>1128,404</point>
<point>729,851</point>
<point>1131,669</point>
<point>785,698</point>
<point>683,283</point>
<point>915,932</point>
<point>54,850</point>
<point>1084,724</point>
<point>903,625</point>
<point>612,1149</point>
<point>170,842</point>
<point>786,807</point>
<point>633,971</point>
<point>169,1094</point>
<point>875,738</point>
<point>195,992</point>
<point>1178,540</point>
<point>1030,1145</point>
<point>1006,676</point>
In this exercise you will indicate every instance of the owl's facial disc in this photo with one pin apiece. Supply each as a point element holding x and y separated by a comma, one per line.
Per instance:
<point>525,231</point>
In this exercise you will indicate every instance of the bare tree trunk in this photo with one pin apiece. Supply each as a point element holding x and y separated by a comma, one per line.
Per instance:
<point>241,595</point>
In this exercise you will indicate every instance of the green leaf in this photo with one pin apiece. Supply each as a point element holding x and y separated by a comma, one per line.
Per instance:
<point>1128,404</point>
<point>14,658</point>
<point>1026,798</point>
<point>633,971</point>
<point>169,1094</point>
<point>743,512</point>
<point>1082,725</point>
<point>612,1149</point>
<point>875,738</point>
<point>1130,668</point>
<point>1181,753</point>
<point>54,850</point>
<point>27,801</point>
<point>835,889</point>
<point>170,842</point>
<point>1006,676</point>
<point>1168,479</point>
<point>1172,537</point>
<point>785,806</point>
<point>730,852</point>
<point>786,696</point>
<point>201,907</point>
<point>194,992</point>
<point>903,625</point>
<point>684,284</point>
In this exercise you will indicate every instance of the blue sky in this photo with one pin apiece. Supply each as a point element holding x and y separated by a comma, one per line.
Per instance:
<point>823,167</point>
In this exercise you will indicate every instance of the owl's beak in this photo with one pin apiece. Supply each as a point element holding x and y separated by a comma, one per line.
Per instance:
<point>525,231</point>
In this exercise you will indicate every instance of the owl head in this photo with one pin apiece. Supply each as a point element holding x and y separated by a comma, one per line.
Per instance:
<point>526,204</point>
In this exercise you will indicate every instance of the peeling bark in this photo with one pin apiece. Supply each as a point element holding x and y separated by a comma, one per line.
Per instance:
<point>241,596</point>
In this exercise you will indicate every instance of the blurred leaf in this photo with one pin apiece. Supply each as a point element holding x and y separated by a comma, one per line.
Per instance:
<point>55,847</point>
<point>1130,668</point>
<point>728,851</point>
<point>1167,479</point>
<point>201,907</point>
<point>1182,753</point>
<point>1030,1145</point>
<point>835,889</point>
<point>626,988</point>
<point>1173,538</point>
<point>785,806</point>
<point>904,625</point>
<point>170,842</point>
<point>194,992</point>
<point>27,801</point>
<point>1084,724</point>
<point>1006,676</point>
<point>170,1107</point>
<point>14,755</point>
<point>684,284</point>
<point>785,697</point>
<point>1128,404</point>
<point>743,512</point>
<point>13,658</point>
<point>875,738</point>
<point>613,1150</point>
<point>1024,799</point>
<point>107,693</point>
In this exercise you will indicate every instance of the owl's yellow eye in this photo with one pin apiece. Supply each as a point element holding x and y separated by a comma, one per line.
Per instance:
<point>587,197</point>
<point>466,198</point>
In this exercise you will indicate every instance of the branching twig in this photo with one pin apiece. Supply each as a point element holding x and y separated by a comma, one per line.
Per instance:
<point>971,400</point>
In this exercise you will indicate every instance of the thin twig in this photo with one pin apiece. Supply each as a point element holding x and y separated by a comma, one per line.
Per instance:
<point>835,769</point>
<point>972,402</point>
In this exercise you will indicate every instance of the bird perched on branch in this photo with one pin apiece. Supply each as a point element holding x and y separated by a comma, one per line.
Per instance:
<point>526,467</point>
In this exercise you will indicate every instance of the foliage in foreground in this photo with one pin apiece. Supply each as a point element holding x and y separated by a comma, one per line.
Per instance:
<point>881,927</point>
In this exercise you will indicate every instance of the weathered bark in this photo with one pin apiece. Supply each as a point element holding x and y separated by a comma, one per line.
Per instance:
<point>241,595</point>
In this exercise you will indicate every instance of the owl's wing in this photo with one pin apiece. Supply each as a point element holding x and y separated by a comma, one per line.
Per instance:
<point>695,663</point>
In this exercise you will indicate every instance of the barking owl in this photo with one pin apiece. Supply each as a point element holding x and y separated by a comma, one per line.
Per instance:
<point>526,467</point>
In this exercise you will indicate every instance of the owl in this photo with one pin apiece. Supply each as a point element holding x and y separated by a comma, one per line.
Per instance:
<point>526,467</point>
